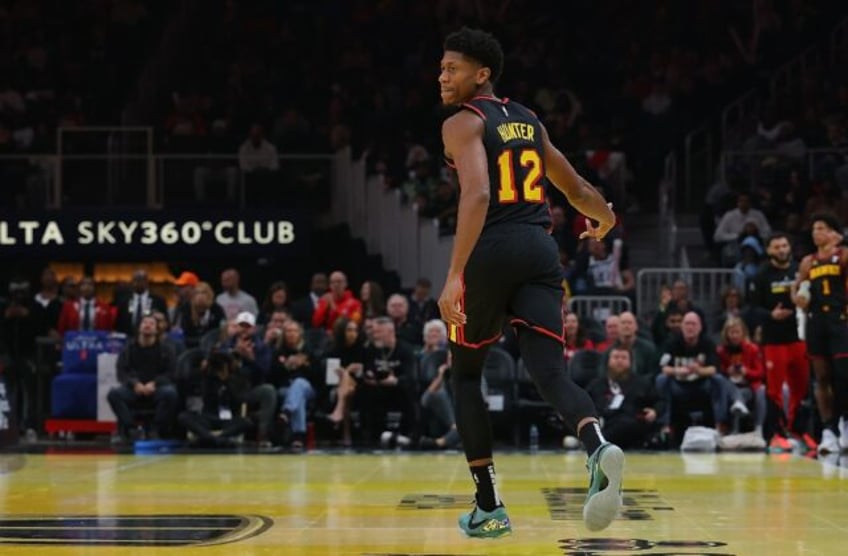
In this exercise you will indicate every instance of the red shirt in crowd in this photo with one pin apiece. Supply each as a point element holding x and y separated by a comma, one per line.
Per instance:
<point>746,355</point>
<point>326,313</point>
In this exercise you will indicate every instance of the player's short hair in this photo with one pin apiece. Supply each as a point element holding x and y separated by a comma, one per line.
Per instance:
<point>480,46</point>
<point>827,219</point>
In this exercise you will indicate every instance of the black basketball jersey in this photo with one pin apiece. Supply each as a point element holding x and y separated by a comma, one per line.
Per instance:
<point>515,152</point>
<point>827,284</point>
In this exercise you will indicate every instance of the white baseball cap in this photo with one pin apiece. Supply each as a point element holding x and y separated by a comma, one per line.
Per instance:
<point>246,317</point>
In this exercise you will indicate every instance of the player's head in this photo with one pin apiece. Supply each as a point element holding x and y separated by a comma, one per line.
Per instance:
<point>824,226</point>
<point>471,64</point>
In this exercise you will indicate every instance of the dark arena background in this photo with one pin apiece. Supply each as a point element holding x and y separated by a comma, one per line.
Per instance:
<point>225,223</point>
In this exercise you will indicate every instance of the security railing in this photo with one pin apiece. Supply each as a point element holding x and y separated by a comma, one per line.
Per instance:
<point>159,180</point>
<point>757,165</point>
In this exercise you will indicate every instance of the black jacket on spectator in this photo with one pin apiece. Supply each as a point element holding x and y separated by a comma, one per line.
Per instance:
<point>424,312</point>
<point>47,318</point>
<point>677,349</point>
<point>282,376</point>
<point>124,319</point>
<point>400,360</point>
<point>144,364</point>
<point>302,309</point>
<point>192,332</point>
<point>19,329</point>
<point>229,393</point>
<point>410,332</point>
<point>637,391</point>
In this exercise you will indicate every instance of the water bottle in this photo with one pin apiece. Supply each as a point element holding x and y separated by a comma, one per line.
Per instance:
<point>534,438</point>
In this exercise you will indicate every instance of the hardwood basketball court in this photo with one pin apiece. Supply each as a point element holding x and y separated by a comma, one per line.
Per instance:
<point>395,503</point>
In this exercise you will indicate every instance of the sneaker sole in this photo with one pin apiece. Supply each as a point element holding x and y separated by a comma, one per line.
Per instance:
<point>601,509</point>
<point>493,536</point>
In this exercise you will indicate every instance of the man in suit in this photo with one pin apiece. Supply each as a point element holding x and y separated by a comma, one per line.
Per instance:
<point>303,308</point>
<point>141,302</point>
<point>87,312</point>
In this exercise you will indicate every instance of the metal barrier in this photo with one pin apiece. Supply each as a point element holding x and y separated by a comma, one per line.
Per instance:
<point>705,287</point>
<point>667,240</point>
<point>599,307</point>
<point>160,180</point>
<point>749,163</point>
<point>699,166</point>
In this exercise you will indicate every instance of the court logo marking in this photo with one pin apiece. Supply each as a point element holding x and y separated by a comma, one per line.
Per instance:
<point>131,530</point>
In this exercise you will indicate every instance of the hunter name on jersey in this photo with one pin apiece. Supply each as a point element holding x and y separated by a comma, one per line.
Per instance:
<point>511,131</point>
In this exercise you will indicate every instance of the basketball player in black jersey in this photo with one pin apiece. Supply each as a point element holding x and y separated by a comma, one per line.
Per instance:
<point>820,291</point>
<point>505,264</point>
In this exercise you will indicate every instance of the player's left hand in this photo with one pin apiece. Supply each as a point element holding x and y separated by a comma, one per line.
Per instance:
<point>601,230</point>
<point>449,301</point>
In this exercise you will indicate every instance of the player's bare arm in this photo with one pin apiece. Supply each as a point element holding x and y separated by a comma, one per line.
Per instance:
<point>803,275</point>
<point>578,191</point>
<point>462,135</point>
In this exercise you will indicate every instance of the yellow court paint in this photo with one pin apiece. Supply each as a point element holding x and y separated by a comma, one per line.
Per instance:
<point>742,504</point>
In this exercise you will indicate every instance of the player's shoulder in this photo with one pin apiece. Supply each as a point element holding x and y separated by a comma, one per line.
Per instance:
<point>461,121</point>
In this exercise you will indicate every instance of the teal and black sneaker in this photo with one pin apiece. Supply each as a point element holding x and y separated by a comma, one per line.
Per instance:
<point>486,525</point>
<point>603,501</point>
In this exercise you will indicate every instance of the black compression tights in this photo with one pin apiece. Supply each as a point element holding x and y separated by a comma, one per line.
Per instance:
<point>544,361</point>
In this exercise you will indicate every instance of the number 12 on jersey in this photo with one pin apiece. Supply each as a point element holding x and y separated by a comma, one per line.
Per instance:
<point>532,190</point>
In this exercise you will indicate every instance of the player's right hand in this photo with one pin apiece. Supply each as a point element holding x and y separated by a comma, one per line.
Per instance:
<point>449,301</point>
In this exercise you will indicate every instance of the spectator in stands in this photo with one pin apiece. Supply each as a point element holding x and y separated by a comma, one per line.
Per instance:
<point>232,299</point>
<point>200,316</point>
<point>750,257</point>
<point>732,225</point>
<point>275,327</point>
<point>18,331</point>
<point>643,353</point>
<point>561,231</point>
<point>625,401</point>
<point>294,374</point>
<point>409,331</point>
<point>388,383</point>
<point>87,312</point>
<point>740,360</point>
<point>611,329</point>
<point>373,299</point>
<point>437,403</point>
<point>259,161</point>
<point>141,302</point>
<point>435,337</point>
<point>145,373</point>
<point>221,169</point>
<point>732,306</point>
<point>69,288</point>
<point>171,340</point>
<point>185,284</point>
<point>224,388</point>
<point>254,357</point>
<point>677,298</point>
<point>303,309</point>
<point>48,305</point>
<point>605,272</point>
<point>444,206</point>
<point>349,349</point>
<point>669,327</point>
<point>338,302</point>
<point>276,299</point>
<point>575,336</point>
<point>688,379</point>
<point>422,307</point>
